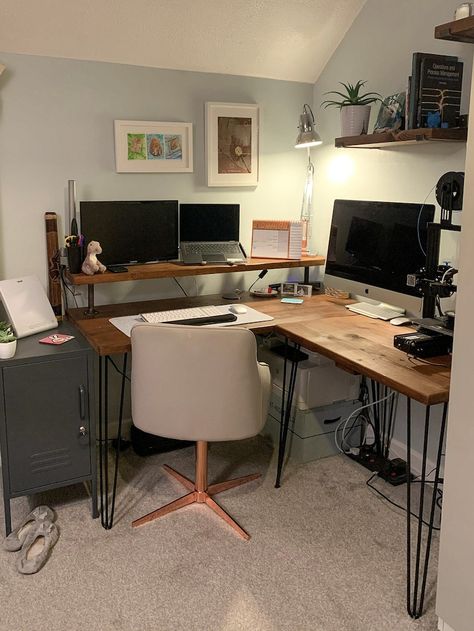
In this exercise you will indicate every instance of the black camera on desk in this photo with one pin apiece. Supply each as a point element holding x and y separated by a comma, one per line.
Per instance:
<point>424,344</point>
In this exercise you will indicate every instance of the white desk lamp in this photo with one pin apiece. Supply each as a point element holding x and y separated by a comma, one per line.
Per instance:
<point>307,138</point>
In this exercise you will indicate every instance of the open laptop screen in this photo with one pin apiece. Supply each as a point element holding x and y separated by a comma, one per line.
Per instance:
<point>209,222</point>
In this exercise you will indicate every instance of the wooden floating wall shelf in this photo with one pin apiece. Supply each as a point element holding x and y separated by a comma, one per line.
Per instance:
<point>457,31</point>
<point>402,138</point>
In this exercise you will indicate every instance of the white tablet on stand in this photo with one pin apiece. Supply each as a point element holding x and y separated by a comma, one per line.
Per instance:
<point>27,305</point>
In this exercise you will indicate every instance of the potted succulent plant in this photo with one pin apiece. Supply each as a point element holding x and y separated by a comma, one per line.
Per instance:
<point>7,340</point>
<point>355,108</point>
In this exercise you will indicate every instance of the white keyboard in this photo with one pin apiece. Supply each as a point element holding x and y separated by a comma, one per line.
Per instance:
<point>381,311</point>
<point>181,314</point>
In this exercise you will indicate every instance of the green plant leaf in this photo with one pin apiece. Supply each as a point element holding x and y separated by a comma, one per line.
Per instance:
<point>351,96</point>
<point>334,103</point>
<point>6,332</point>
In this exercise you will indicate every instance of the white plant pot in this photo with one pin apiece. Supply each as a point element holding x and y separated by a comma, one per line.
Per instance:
<point>7,349</point>
<point>354,120</point>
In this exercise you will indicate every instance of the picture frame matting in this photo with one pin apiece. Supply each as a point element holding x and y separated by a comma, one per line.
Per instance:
<point>153,147</point>
<point>232,142</point>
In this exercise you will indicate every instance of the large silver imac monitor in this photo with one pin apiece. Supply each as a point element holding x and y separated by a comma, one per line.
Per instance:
<point>373,246</point>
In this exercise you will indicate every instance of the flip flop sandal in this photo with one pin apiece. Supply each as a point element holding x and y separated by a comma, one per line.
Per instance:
<point>37,547</point>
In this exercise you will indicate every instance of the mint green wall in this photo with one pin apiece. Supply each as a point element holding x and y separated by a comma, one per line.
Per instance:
<point>56,124</point>
<point>378,48</point>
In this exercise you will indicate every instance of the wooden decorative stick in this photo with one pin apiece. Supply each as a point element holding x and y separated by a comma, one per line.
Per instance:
<point>52,252</point>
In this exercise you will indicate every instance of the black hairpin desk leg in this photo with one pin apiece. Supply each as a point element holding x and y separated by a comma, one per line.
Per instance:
<point>106,512</point>
<point>286,406</point>
<point>416,584</point>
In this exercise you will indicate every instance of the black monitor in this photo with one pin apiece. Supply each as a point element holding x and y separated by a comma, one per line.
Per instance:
<point>378,243</point>
<point>132,231</point>
<point>209,222</point>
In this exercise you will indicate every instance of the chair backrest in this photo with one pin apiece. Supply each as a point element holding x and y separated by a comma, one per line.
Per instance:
<point>197,383</point>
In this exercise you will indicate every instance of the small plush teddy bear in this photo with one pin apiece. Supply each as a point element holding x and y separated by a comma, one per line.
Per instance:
<point>91,264</point>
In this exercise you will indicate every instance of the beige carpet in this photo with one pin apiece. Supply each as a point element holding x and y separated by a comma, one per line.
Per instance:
<point>326,554</point>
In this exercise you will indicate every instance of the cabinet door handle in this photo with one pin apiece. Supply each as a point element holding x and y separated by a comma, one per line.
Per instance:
<point>82,431</point>
<point>82,402</point>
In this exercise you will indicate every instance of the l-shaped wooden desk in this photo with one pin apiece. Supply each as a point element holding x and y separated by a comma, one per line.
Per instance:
<point>356,343</point>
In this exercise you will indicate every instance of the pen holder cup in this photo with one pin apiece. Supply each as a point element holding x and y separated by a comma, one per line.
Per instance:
<point>74,258</point>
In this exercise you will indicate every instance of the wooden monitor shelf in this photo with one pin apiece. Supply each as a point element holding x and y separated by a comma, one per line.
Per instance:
<point>457,31</point>
<point>171,270</point>
<point>402,138</point>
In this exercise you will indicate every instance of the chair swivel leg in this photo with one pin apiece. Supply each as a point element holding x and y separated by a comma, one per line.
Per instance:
<point>200,492</point>
<point>190,498</point>
<point>186,482</point>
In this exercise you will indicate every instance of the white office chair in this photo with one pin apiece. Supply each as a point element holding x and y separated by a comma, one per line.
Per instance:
<point>202,384</point>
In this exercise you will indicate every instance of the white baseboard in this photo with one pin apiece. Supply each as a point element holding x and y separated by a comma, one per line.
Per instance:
<point>398,449</point>
<point>443,626</point>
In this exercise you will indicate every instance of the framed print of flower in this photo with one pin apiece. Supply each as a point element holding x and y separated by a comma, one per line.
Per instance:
<point>232,144</point>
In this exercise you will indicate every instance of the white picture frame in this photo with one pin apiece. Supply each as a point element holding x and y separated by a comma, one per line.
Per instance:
<point>232,142</point>
<point>153,147</point>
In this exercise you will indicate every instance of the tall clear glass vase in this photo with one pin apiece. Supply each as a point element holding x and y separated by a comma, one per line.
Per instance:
<point>307,207</point>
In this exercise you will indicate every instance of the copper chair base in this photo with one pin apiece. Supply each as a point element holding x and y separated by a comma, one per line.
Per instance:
<point>200,493</point>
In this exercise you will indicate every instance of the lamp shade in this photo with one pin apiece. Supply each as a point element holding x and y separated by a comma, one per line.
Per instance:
<point>307,136</point>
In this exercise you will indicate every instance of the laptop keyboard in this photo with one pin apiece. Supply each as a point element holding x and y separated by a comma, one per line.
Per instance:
<point>212,248</point>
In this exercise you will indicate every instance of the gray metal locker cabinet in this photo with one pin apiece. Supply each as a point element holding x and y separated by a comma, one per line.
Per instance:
<point>47,423</point>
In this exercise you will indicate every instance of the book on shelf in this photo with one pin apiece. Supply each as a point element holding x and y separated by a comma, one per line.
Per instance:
<point>439,102</point>
<point>414,100</point>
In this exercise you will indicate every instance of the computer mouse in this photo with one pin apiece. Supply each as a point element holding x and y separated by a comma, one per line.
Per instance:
<point>238,309</point>
<point>400,320</point>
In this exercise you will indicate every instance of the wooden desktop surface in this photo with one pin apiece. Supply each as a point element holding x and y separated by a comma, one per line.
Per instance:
<point>364,345</point>
<point>356,343</point>
<point>106,339</point>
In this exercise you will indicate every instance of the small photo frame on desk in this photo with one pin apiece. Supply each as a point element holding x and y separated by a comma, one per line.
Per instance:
<point>296,289</point>
<point>232,144</point>
<point>153,147</point>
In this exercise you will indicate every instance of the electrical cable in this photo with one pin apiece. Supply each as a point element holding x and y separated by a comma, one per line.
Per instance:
<point>363,398</point>
<point>65,285</point>
<point>415,479</point>
<point>180,286</point>
<point>354,426</point>
<point>439,500</point>
<point>345,422</point>
<point>438,306</point>
<point>450,269</point>
<point>418,221</point>
<point>403,508</point>
<point>424,361</point>
<point>120,372</point>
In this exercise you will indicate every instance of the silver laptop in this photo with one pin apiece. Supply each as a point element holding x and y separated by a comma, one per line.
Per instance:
<point>209,233</point>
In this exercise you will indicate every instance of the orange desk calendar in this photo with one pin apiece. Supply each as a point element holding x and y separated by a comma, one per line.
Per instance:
<point>276,239</point>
